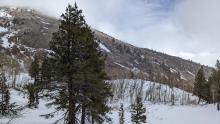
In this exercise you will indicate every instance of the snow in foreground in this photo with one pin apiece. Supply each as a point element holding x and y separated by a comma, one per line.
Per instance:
<point>166,114</point>
<point>158,113</point>
<point>29,116</point>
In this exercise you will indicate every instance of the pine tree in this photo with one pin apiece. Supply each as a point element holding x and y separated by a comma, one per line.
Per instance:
<point>14,71</point>
<point>4,89</point>
<point>93,88</point>
<point>46,71</point>
<point>35,69</point>
<point>33,96</point>
<point>206,93</point>
<point>217,84</point>
<point>199,84</point>
<point>214,82</point>
<point>121,115</point>
<point>6,108</point>
<point>79,70</point>
<point>33,89</point>
<point>138,112</point>
<point>217,65</point>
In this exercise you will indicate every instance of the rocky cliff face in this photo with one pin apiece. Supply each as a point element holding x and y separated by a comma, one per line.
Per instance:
<point>25,32</point>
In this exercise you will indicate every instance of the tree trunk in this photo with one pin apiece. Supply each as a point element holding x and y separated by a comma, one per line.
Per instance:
<point>14,79</point>
<point>218,106</point>
<point>188,99</point>
<point>71,118</point>
<point>83,114</point>
<point>198,101</point>
<point>172,97</point>
<point>83,117</point>
<point>72,111</point>
<point>93,122</point>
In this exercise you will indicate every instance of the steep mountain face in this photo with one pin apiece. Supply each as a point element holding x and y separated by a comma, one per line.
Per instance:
<point>125,61</point>
<point>25,32</point>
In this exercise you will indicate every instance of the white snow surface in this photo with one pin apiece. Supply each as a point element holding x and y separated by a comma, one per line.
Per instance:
<point>104,47</point>
<point>135,70</point>
<point>6,42</point>
<point>30,116</point>
<point>122,65</point>
<point>126,90</point>
<point>165,114</point>
<point>157,112</point>
<point>182,77</point>
<point>2,29</point>
<point>173,70</point>
<point>191,73</point>
<point>45,22</point>
<point>4,14</point>
<point>46,28</point>
<point>5,38</point>
<point>21,79</point>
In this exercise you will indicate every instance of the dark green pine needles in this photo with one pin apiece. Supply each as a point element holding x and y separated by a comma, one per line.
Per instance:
<point>78,71</point>
<point>138,111</point>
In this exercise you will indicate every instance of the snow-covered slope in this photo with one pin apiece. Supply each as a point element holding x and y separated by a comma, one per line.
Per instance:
<point>2,29</point>
<point>4,14</point>
<point>157,100</point>
<point>126,90</point>
<point>165,114</point>
<point>158,111</point>
<point>29,116</point>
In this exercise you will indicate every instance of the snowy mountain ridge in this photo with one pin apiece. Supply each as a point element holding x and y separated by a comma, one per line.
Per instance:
<point>27,33</point>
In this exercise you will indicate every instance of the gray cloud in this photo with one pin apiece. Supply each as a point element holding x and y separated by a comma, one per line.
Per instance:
<point>199,19</point>
<point>185,28</point>
<point>50,7</point>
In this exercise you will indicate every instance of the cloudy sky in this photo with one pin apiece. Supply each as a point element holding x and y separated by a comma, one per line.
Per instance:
<point>185,28</point>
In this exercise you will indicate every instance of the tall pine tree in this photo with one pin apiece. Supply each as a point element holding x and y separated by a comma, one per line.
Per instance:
<point>199,84</point>
<point>46,71</point>
<point>35,69</point>
<point>79,71</point>
<point>6,108</point>
<point>214,82</point>
<point>217,65</point>
<point>33,94</point>
<point>33,89</point>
